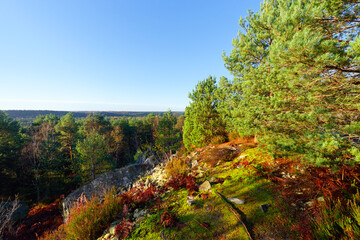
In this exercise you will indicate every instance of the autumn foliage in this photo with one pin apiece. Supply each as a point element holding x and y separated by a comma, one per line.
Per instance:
<point>40,219</point>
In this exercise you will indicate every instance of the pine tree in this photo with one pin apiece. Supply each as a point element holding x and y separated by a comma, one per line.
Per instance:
<point>67,133</point>
<point>10,144</point>
<point>296,68</point>
<point>167,137</point>
<point>202,120</point>
<point>93,158</point>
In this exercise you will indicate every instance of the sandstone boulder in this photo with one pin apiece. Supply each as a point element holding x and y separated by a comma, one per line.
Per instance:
<point>118,178</point>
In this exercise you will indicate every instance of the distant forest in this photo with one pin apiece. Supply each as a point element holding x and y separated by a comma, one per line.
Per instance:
<point>53,155</point>
<point>26,117</point>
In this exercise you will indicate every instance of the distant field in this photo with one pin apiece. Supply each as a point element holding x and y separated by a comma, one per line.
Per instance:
<point>27,116</point>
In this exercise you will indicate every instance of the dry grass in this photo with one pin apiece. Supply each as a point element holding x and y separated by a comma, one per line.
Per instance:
<point>177,167</point>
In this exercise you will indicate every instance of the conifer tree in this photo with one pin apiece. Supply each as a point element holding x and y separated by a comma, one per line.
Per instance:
<point>67,129</point>
<point>93,158</point>
<point>10,144</point>
<point>296,67</point>
<point>167,137</point>
<point>202,121</point>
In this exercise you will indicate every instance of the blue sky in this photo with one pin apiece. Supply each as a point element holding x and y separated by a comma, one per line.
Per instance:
<point>112,55</point>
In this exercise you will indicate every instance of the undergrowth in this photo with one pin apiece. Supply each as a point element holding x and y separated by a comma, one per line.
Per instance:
<point>88,218</point>
<point>339,220</point>
<point>176,167</point>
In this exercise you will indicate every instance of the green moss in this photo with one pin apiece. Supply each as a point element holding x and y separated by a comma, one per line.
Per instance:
<point>150,228</point>
<point>242,183</point>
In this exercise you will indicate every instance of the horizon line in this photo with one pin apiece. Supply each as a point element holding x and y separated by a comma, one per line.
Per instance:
<point>90,110</point>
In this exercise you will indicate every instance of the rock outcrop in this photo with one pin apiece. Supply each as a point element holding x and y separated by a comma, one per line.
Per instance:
<point>118,178</point>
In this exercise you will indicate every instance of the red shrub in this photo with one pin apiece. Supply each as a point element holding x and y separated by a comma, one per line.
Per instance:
<point>168,219</point>
<point>183,181</point>
<point>39,220</point>
<point>123,229</point>
<point>146,195</point>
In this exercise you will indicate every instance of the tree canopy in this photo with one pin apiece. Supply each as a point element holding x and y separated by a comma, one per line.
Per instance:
<point>10,145</point>
<point>296,67</point>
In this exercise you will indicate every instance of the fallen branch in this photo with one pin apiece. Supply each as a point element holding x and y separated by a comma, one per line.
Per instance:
<point>204,225</point>
<point>235,212</point>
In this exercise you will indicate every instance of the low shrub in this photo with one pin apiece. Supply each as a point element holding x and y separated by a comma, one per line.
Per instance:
<point>218,139</point>
<point>88,218</point>
<point>338,220</point>
<point>168,219</point>
<point>233,136</point>
<point>176,167</point>
<point>182,181</point>
<point>40,219</point>
<point>182,151</point>
<point>123,229</point>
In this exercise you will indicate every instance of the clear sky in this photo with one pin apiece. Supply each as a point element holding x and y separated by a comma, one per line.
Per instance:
<point>112,55</point>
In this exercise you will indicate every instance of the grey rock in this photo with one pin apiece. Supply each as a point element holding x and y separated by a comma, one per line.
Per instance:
<point>118,178</point>
<point>194,163</point>
<point>190,202</point>
<point>205,186</point>
<point>140,213</point>
<point>113,226</point>
<point>236,200</point>
<point>150,161</point>
<point>212,179</point>
<point>242,156</point>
